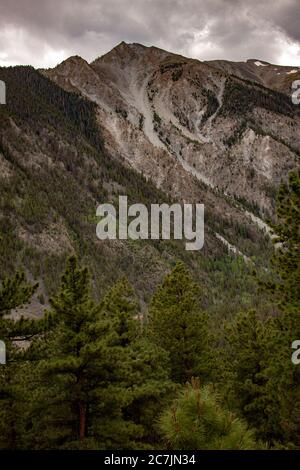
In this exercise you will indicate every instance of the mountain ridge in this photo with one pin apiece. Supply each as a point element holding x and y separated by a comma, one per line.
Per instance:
<point>135,90</point>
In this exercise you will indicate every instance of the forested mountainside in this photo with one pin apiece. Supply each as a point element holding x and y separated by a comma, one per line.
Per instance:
<point>123,344</point>
<point>56,170</point>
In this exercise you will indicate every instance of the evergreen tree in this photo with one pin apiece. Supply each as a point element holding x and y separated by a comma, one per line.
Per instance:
<point>286,260</point>
<point>78,396</point>
<point>197,421</point>
<point>261,378</point>
<point>242,366</point>
<point>177,324</point>
<point>99,384</point>
<point>284,376</point>
<point>120,306</point>
<point>15,292</point>
<point>147,376</point>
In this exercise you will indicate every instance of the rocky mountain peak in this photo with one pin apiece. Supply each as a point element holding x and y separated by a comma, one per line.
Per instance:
<point>178,120</point>
<point>73,62</point>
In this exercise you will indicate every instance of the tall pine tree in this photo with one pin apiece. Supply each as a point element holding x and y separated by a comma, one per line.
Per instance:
<point>284,375</point>
<point>242,364</point>
<point>78,391</point>
<point>99,384</point>
<point>15,292</point>
<point>177,324</point>
<point>148,374</point>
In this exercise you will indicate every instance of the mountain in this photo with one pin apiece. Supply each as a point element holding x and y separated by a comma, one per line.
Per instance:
<point>158,127</point>
<point>276,77</point>
<point>173,119</point>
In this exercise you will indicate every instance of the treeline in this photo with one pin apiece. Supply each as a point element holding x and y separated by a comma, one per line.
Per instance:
<point>99,375</point>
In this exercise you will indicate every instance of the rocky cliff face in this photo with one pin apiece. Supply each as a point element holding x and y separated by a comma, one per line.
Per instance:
<point>180,121</point>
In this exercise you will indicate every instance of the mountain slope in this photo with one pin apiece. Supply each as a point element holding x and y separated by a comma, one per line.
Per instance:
<point>176,119</point>
<point>155,126</point>
<point>276,77</point>
<point>55,170</point>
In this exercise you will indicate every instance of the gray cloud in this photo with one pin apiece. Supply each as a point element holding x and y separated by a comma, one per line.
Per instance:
<point>43,32</point>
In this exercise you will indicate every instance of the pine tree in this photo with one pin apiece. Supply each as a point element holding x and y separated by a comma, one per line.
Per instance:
<point>266,382</point>
<point>260,375</point>
<point>284,376</point>
<point>147,376</point>
<point>121,307</point>
<point>197,421</point>
<point>98,376</point>
<point>286,260</point>
<point>78,394</point>
<point>242,367</point>
<point>14,292</point>
<point>177,324</point>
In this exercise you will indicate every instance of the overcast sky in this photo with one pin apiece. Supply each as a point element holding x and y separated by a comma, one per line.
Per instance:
<point>45,32</point>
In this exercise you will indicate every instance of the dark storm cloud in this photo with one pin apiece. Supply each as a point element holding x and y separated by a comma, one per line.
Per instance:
<point>45,32</point>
